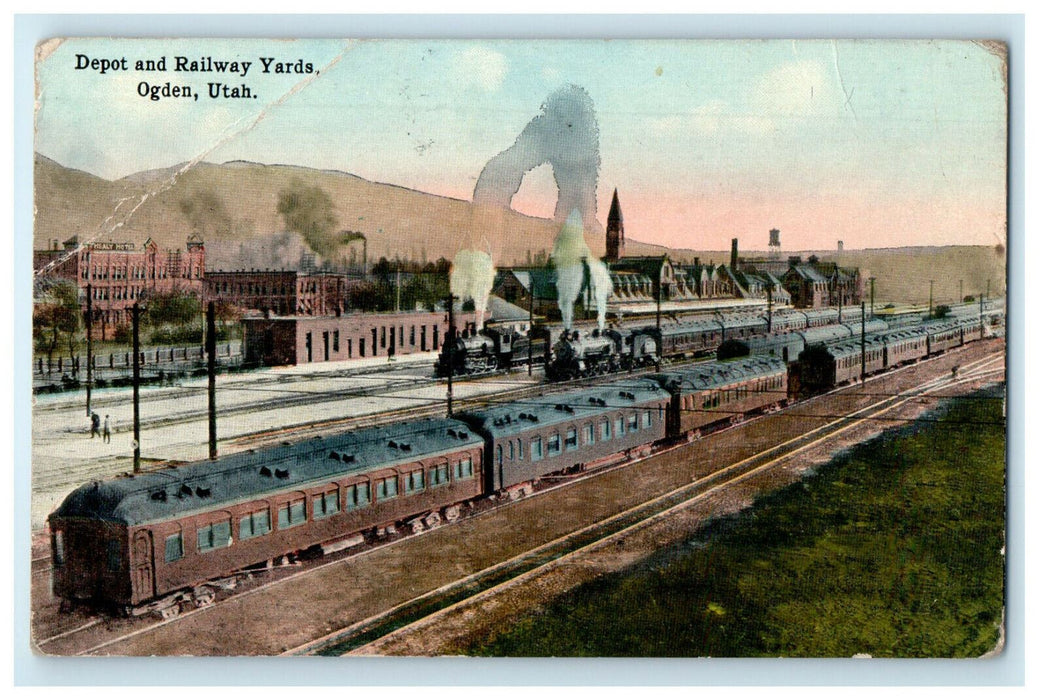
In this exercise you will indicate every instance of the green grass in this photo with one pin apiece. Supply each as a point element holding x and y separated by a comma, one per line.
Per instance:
<point>892,549</point>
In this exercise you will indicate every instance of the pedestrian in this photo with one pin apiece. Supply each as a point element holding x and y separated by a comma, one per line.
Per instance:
<point>392,352</point>
<point>106,436</point>
<point>95,422</point>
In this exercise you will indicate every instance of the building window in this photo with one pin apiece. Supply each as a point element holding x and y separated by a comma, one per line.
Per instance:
<point>337,341</point>
<point>570,443</point>
<point>255,524</point>
<point>439,475</point>
<point>464,469</point>
<point>386,488</point>
<point>172,547</point>
<point>416,481</point>
<point>214,536</point>
<point>536,446</point>
<point>291,514</point>
<point>325,504</point>
<point>357,495</point>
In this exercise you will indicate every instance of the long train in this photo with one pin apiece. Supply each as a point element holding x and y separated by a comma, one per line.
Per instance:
<point>151,541</point>
<point>585,353</point>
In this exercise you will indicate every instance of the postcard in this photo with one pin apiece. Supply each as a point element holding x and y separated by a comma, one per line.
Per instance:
<point>519,348</point>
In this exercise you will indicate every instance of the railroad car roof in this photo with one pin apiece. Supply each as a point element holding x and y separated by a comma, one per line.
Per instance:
<point>568,406</point>
<point>709,375</point>
<point>244,476</point>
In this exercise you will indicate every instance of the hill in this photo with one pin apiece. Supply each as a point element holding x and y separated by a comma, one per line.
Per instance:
<point>233,206</point>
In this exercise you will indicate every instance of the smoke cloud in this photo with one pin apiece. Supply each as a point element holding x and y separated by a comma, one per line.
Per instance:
<point>565,134</point>
<point>572,256</point>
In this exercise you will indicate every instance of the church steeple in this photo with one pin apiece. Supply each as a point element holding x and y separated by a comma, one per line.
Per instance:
<point>615,230</point>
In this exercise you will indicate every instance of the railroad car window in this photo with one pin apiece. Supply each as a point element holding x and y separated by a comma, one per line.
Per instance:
<point>255,524</point>
<point>604,429</point>
<point>464,469</point>
<point>511,451</point>
<point>358,495</point>
<point>439,475</point>
<point>386,488</point>
<point>59,548</point>
<point>553,445</point>
<point>291,514</point>
<point>325,504</point>
<point>648,419</point>
<point>590,434</point>
<point>633,423</point>
<point>570,442</point>
<point>214,536</point>
<point>620,426</point>
<point>535,449</point>
<point>416,481</point>
<point>172,548</point>
<point>519,447</point>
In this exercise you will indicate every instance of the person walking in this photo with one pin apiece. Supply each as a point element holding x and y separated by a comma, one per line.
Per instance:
<point>94,425</point>
<point>106,436</point>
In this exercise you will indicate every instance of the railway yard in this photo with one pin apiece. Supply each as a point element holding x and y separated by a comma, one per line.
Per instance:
<point>423,594</point>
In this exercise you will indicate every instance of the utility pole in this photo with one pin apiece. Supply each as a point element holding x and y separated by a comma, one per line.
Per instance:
<point>212,421</point>
<point>931,298</point>
<point>90,357</point>
<point>872,309</point>
<point>862,343</point>
<point>450,338</point>
<point>982,316</point>
<point>769,308</point>
<point>530,331</point>
<point>135,380</point>
<point>961,298</point>
<point>397,289</point>
<point>659,345</point>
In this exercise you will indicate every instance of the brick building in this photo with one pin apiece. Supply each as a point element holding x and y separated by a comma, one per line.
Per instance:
<point>280,292</point>
<point>120,274</point>
<point>296,340</point>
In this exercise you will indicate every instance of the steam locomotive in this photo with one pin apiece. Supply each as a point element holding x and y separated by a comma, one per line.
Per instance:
<point>490,350</point>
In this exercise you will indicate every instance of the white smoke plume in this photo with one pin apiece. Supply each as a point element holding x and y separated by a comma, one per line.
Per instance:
<point>471,277</point>
<point>571,254</point>
<point>564,134</point>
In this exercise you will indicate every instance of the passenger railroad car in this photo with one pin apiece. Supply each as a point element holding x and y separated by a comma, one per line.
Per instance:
<point>161,531</point>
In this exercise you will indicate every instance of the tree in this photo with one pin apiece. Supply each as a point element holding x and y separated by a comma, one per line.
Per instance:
<point>57,315</point>
<point>310,212</point>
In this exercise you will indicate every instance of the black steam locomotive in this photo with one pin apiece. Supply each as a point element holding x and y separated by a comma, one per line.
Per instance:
<point>490,350</point>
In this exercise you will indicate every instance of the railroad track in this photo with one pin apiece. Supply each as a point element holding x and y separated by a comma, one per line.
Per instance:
<point>424,609</point>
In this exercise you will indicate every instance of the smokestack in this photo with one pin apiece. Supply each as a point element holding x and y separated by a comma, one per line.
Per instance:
<point>733,253</point>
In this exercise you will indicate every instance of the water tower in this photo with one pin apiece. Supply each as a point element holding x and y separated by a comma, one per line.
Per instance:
<point>775,244</point>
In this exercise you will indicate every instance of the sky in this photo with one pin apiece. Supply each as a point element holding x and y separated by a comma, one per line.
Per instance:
<point>875,143</point>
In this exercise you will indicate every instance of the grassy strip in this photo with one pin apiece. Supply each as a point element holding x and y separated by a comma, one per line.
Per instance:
<point>892,549</point>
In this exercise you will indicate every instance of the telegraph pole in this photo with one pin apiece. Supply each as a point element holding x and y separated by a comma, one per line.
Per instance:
<point>982,316</point>
<point>769,309</point>
<point>872,309</point>
<point>212,421</point>
<point>862,343</point>
<point>961,298</point>
<point>931,298</point>
<point>530,331</point>
<point>135,380</point>
<point>659,344</point>
<point>449,338</point>
<point>90,357</point>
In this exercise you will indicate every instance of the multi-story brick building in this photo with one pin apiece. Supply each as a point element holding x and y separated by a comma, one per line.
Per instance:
<point>120,274</point>
<point>280,292</point>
